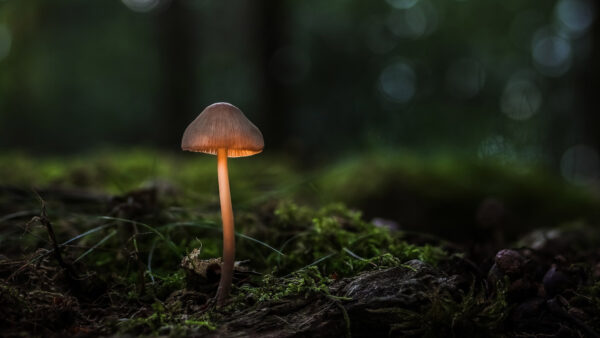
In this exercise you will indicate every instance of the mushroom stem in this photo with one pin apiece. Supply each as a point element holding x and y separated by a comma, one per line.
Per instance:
<point>228,231</point>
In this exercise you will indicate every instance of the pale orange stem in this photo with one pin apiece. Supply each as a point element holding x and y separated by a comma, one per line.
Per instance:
<point>228,230</point>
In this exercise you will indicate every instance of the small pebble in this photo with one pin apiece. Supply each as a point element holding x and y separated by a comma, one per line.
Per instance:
<point>555,281</point>
<point>509,261</point>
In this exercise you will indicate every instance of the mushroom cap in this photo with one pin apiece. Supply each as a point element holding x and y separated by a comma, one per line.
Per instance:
<point>223,125</point>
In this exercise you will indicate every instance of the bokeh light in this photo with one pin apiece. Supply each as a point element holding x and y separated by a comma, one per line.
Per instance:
<point>141,6</point>
<point>580,164</point>
<point>414,22</point>
<point>551,53</point>
<point>416,66</point>
<point>576,16</point>
<point>398,82</point>
<point>521,98</point>
<point>402,4</point>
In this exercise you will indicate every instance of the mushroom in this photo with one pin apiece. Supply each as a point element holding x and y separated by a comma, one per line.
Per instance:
<point>223,130</point>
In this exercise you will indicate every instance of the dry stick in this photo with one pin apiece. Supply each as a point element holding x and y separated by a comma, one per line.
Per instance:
<point>43,218</point>
<point>141,268</point>
<point>46,222</point>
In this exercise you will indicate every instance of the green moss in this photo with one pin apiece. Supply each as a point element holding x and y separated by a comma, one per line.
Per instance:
<point>164,322</point>
<point>163,286</point>
<point>340,241</point>
<point>440,193</point>
<point>151,324</point>
<point>118,171</point>
<point>290,215</point>
<point>304,283</point>
<point>201,324</point>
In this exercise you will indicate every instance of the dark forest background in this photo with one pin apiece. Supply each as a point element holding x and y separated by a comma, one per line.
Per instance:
<point>515,80</point>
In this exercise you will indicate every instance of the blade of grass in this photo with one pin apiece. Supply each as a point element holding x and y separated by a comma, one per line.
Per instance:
<point>259,242</point>
<point>107,237</point>
<point>217,228</point>
<point>353,254</point>
<point>313,263</point>
<point>91,231</point>
<point>170,243</point>
<point>289,240</point>
<point>18,214</point>
<point>150,254</point>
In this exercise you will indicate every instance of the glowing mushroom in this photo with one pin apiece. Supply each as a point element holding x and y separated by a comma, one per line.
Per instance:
<point>223,130</point>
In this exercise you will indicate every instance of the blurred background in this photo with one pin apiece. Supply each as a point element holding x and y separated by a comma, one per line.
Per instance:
<point>514,80</point>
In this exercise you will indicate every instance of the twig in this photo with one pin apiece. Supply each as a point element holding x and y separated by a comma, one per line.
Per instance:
<point>140,264</point>
<point>43,219</point>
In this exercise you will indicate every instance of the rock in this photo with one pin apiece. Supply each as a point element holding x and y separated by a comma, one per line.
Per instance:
<point>510,262</point>
<point>495,275</point>
<point>555,281</point>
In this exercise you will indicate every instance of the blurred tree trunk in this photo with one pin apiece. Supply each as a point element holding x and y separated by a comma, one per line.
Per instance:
<point>178,53</point>
<point>270,36</point>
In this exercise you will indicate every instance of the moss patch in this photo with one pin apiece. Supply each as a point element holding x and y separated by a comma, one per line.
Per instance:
<point>340,242</point>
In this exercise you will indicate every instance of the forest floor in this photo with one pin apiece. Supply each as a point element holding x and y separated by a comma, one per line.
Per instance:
<point>384,244</point>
